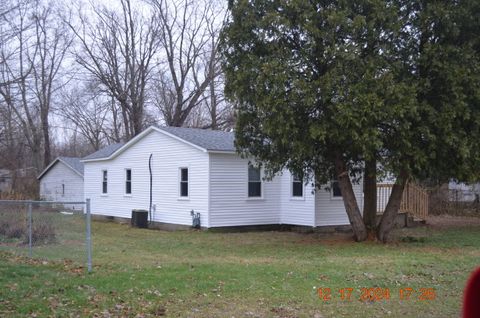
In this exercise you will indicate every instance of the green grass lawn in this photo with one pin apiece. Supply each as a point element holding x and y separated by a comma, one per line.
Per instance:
<point>147,273</point>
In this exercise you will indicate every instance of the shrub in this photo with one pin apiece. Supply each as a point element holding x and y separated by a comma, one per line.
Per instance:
<point>43,233</point>
<point>15,230</point>
<point>14,226</point>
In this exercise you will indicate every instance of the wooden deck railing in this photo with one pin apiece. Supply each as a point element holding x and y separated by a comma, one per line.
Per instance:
<point>414,200</point>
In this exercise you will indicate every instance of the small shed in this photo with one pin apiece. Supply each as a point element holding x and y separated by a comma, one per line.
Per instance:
<point>62,180</point>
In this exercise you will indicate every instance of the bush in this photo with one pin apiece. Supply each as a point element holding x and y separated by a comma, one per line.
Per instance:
<point>42,233</point>
<point>15,230</point>
<point>14,226</point>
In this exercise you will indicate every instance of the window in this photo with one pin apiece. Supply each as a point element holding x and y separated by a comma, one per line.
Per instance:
<point>336,189</point>
<point>254,182</point>
<point>184,182</point>
<point>104,181</point>
<point>297,186</point>
<point>63,189</point>
<point>128,181</point>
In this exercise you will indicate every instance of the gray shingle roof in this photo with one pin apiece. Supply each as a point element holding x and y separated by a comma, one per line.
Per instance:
<point>74,163</point>
<point>104,152</point>
<point>212,140</point>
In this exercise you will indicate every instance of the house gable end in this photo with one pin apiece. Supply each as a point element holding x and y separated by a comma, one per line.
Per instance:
<point>141,136</point>
<point>53,163</point>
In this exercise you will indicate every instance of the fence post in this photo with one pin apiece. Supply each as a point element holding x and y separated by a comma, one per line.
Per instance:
<point>30,229</point>
<point>89,237</point>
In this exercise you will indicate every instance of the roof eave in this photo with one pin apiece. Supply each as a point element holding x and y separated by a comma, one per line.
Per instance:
<point>136,139</point>
<point>232,152</point>
<point>147,131</point>
<point>47,168</point>
<point>95,159</point>
<point>53,163</point>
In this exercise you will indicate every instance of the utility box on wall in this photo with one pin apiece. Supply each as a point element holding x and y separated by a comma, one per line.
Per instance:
<point>139,218</point>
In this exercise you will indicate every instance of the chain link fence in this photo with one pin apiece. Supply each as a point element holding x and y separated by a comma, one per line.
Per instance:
<point>465,196</point>
<point>47,230</point>
<point>459,202</point>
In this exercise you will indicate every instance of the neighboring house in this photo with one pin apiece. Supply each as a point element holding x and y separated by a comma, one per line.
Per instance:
<point>62,180</point>
<point>199,170</point>
<point>5,180</point>
<point>462,192</point>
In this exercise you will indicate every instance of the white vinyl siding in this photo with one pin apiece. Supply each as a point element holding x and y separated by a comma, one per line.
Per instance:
<point>168,154</point>
<point>61,183</point>
<point>330,210</point>
<point>296,210</point>
<point>229,201</point>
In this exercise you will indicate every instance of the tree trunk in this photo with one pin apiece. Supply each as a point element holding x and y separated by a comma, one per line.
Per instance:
<point>137,121</point>
<point>370,197</point>
<point>349,200</point>
<point>116,133</point>
<point>46,140</point>
<point>213,106</point>
<point>391,210</point>
<point>36,156</point>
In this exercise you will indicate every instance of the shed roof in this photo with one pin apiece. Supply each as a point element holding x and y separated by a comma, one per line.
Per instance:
<point>73,163</point>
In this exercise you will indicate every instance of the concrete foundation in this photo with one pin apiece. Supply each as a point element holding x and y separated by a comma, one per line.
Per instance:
<point>402,220</point>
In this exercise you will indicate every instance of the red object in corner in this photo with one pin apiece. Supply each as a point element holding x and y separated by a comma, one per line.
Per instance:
<point>471,298</point>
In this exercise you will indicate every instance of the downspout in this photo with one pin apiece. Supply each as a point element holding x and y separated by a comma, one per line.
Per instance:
<point>150,170</point>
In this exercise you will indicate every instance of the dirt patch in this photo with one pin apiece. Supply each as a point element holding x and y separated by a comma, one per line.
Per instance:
<point>449,221</point>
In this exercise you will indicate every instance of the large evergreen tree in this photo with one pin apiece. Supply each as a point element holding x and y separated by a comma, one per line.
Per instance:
<point>340,88</point>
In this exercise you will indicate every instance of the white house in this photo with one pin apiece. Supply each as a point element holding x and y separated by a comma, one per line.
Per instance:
<point>62,180</point>
<point>194,169</point>
<point>463,192</point>
<point>5,180</point>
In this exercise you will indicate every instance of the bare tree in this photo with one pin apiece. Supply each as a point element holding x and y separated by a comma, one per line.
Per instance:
<point>6,33</point>
<point>18,58</point>
<point>88,110</point>
<point>73,144</point>
<point>30,64</point>
<point>216,111</point>
<point>52,40</point>
<point>189,36</point>
<point>113,131</point>
<point>117,48</point>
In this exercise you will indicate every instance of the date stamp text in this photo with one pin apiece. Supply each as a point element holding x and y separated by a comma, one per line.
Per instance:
<point>376,294</point>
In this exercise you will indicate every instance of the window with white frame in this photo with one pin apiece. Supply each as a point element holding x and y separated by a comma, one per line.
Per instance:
<point>128,181</point>
<point>254,182</point>
<point>297,187</point>
<point>104,181</point>
<point>335,186</point>
<point>184,182</point>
